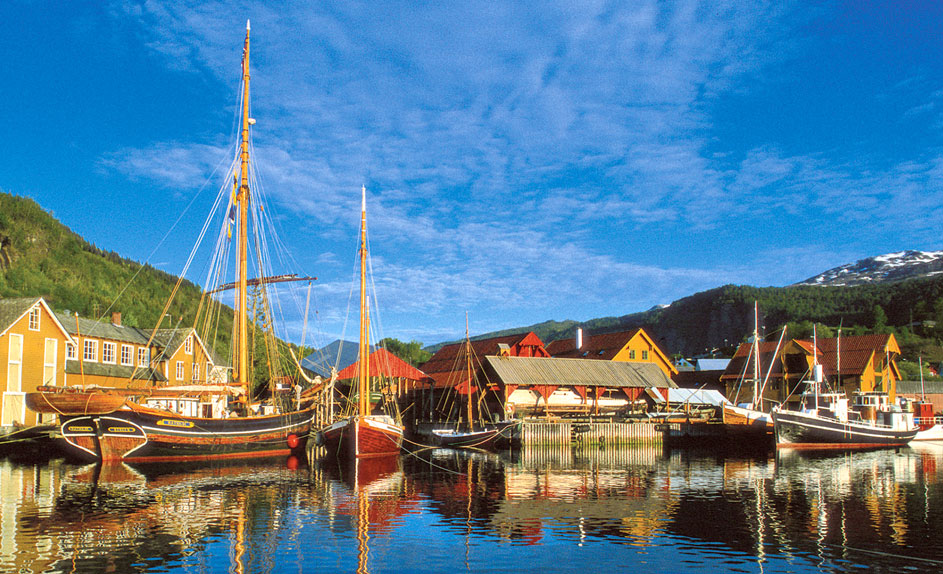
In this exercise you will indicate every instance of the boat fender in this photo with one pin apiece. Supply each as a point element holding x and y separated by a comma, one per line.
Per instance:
<point>292,441</point>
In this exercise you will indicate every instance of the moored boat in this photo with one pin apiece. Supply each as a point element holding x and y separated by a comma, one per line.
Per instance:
<point>363,433</point>
<point>826,420</point>
<point>190,422</point>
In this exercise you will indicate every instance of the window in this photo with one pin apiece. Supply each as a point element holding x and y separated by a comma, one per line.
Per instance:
<point>90,351</point>
<point>632,354</point>
<point>34,319</point>
<point>70,351</point>
<point>108,352</point>
<point>188,345</point>
<point>196,371</point>
<point>127,355</point>
<point>179,370</point>
<point>144,357</point>
<point>644,355</point>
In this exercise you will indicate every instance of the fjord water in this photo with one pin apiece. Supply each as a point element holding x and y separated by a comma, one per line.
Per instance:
<point>558,510</point>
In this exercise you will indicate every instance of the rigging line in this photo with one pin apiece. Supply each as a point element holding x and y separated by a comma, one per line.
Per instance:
<point>161,242</point>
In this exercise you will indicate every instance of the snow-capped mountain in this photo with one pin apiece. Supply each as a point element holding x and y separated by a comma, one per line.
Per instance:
<point>882,268</point>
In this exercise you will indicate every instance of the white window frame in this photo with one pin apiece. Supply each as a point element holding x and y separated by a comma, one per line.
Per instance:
<point>188,345</point>
<point>109,348</point>
<point>90,345</point>
<point>33,319</point>
<point>127,355</point>
<point>196,371</point>
<point>70,352</point>
<point>180,370</point>
<point>144,357</point>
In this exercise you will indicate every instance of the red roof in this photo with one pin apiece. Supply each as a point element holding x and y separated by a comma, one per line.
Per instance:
<point>386,364</point>
<point>447,367</point>
<point>741,364</point>
<point>604,347</point>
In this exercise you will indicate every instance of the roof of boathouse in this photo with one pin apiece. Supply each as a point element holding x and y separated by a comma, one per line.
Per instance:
<point>535,371</point>
<point>445,361</point>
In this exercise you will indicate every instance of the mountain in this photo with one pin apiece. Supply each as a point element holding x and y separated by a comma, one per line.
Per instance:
<point>890,267</point>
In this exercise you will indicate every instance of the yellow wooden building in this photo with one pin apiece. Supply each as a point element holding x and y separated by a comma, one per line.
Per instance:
<point>635,346</point>
<point>32,353</point>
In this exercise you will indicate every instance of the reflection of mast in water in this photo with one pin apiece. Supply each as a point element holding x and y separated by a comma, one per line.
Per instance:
<point>239,548</point>
<point>363,535</point>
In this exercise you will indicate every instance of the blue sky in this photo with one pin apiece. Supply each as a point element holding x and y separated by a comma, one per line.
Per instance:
<point>523,161</point>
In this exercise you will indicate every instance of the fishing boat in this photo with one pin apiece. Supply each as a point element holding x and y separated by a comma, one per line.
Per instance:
<point>195,422</point>
<point>825,419</point>
<point>481,434</point>
<point>749,421</point>
<point>364,433</point>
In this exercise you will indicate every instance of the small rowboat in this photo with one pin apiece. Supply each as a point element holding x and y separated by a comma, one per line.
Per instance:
<point>75,402</point>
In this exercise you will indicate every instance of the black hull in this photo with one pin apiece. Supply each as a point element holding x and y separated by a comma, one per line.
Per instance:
<point>491,437</point>
<point>803,430</point>
<point>152,436</point>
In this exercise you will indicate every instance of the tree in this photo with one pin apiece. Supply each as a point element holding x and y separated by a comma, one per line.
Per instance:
<point>410,352</point>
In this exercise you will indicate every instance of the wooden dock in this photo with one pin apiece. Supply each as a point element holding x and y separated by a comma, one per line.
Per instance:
<point>535,433</point>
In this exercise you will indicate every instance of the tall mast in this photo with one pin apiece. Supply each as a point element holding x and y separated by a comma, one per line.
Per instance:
<point>241,356</point>
<point>468,367</point>
<point>757,400</point>
<point>364,379</point>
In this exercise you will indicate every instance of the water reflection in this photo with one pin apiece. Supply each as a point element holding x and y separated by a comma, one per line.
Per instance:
<point>454,510</point>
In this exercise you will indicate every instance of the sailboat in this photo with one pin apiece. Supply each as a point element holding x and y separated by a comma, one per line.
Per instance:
<point>750,420</point>
<point>486,435</point>
<point>363,434</point>
<point>151,425</point>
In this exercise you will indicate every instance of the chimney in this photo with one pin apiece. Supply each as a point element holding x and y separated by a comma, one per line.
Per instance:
<point>116,318</point>
<point>579,338</point>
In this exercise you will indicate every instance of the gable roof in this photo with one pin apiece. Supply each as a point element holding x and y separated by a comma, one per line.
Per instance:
<point>536,371</point>
<point>446,359</point>
<point>604,346</point>
<point>12,310</point>
<point>741,364</point>
<point>387,365</point>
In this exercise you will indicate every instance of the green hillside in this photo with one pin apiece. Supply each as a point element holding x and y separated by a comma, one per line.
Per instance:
<point>39,256</point>
<point>720,318</point>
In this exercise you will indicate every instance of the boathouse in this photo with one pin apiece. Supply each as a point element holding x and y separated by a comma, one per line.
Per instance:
<point>635,346</point>
<point>32,351</point>
<point>559,386</point>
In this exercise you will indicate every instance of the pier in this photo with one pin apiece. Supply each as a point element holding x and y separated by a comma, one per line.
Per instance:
<point>535,433</point>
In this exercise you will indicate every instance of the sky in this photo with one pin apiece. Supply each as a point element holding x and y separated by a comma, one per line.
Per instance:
<point>523,161</point>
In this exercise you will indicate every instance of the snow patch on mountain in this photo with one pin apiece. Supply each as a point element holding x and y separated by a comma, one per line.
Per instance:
<point>882,268</point>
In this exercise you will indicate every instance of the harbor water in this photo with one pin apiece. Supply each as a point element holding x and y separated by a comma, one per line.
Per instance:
<point>540,510</point>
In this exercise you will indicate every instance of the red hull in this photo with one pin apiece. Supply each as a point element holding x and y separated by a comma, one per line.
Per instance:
<point>357,437</point>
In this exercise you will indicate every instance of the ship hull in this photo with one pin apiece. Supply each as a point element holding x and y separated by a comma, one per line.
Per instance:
<point>363,437</point>
<point>150,435</point>
<point>487,438</point>
<point>797,429</point>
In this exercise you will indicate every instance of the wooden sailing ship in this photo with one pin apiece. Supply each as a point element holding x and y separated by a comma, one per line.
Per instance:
<point>364,433</point>
<point>131,426</point>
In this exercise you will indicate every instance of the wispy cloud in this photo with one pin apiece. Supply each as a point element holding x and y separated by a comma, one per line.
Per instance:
<point>500,140</point>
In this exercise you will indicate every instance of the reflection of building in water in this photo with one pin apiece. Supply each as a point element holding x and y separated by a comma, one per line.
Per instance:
<point>54,516</point>
<point>597,492</point>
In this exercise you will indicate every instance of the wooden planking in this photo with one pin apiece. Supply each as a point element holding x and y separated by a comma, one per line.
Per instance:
<point>542,433</point>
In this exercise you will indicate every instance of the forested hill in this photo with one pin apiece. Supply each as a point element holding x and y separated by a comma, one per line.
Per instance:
<point>723,317</point>
<point>39,256</point>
